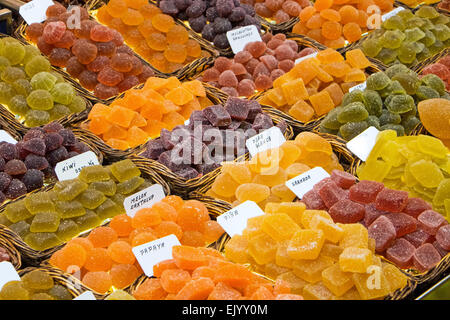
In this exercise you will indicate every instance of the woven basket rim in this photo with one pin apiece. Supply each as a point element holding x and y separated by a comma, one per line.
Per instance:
<point>14,255</point>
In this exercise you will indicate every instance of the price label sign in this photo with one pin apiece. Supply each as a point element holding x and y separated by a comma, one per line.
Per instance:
<point>154,252</point>
<point>7,273</point>
<point>360,86</point>
<point>235,220</point>
<point>71,168</point>
<point>268,139</point>
<point>312,55</point>
<point>6,137</point>
<point>35,11</point>
<point>143,199</point>
<point>238,38</point>
<point>303,183</point>
<point>363,143</point>
<point>392,13</point>
<point>87,295</point>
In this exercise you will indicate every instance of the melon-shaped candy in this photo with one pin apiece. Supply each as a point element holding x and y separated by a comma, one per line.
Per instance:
<point>435,117</point>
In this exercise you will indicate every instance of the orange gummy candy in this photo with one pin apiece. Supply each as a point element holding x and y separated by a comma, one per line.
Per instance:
<point>188,258</point>
<point>123,275</point>
<point>150,289</point>
<point>160,267</point>
<point>99,281</point>
<point>120,252</point>
<point>173,280</point>
<point>102,237</point>
<point>98,259</point>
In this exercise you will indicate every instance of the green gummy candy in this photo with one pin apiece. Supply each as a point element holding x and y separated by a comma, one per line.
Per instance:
<point>394,23</point>
<point>13,51</point>
<point>18,105</point>
<point>70,209</point>
<point>397,127</point>
<point>371,47</point>
<point>434,82</point>
<point>409,82</point>
<point>78,104</point>
<point>14,290</point>
<point>377,81</point>
<point>409,123</point>
<point>30,52</point>
<point>415,22</point>
<point>406,53</point>
<point>91,199</point>
<point>40,100</point>
<point>373,121</point>
<point>388,117</point>
<point>399,103</point>
<point>94,173</point>
<point>387,56</point>
<point>88,221</point>
<point>36,118</point>
<point>393,39</point>
<point>59,111</point>
<point>63,93</point>
<point>4,220</point>
<point>354,96</point>
<point>60,293</point>
<point>22,87</point>
<point>429,38</point>
<point>41,296</point>
<point>39,202</point>
<point>427,12</point>
<point>330,121</point>
<point>441,19</point>
<point>11,74</point>
<point>36,65</point>
<point>17,211</point>
<point>22,228</point>
<point>4,63</point>
<point>43,80</point>
<point>107,209</point>
<point>6,92</point>
<point>42,240</point>
<point>67,230</point>
<point>124,170</point>
<point>118,200</point>
<point>70,189</point>
<point>108,188</point>
<point>351,129</point>
<point>437,47</point>
<point>441,31</point>
<point>413,34</point>
<point>405,15</point>
<point>45,222</point>
<point>353,112</point>
<point>424,93</point>
<point>129,186</point>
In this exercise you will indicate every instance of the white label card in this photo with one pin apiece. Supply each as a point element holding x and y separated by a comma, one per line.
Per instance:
<point>268,139</point>
<point>363,143</point>
<point>235,220</point>
<point>392,13</point>
<point>71,168</point>
<point>238,38</point>
<point>7,273</point>
<point>152,253</point>
<point>360,86</point>
<point>34,11</point>
<point>87,295</point>
<point>312,55</point>
<point>303,183</point>
<point>5,136</point>
<point>143,199</point>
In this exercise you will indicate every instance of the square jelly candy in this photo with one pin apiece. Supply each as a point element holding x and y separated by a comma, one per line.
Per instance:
<point>107,209</point>
<point>70,209</point>
<point>365,191</point>
<point>45,222</point>
<point>383,231</point>
<point>108,188</point>
<point>331,193</point>
<point>124,170</point>
<point>354,259</point>
<point>94,173</point>
<point>42,240</point>
<point>306,244</point>
<point>217,115</point>
<point>17,211</point>
<point>430,221</point>
<point>443,237</point>
<point>426,257</point>
<point>347,211</point>
<point>401,253</point>
<point>279,226</point>
<point>403,223</point>
<point>343,179</point>
<point>313,200</point>
<point>391,200</point>
<point>91,199</point>
<point>39,202</point>
<point>129,186</point>
<point>67,230</point>
<point>311,270</point>
<point>372,213</point>
<point>415,206</point>
<point>418,237</point>
<point>70,189</point>
<point>237,108</point>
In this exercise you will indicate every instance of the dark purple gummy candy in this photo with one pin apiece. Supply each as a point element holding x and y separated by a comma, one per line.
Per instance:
<point>15,167</point>
<point>8,151</point>
<point>69,138</point>
<point>80,147</point>
<point>53,141</point>
<point>34,133</point>
<point>262,122</point>
<point>53,127</point>
<point>5,180</point>
<point>217,116</point>
<point>36,146</point>
<point>57,155</point>
<point>15,189</point>
<point>2,164</point>
<point>237,108</point>
<point>33,179</point>
<point>188,173</point>
<point>154,149</point>
<point>33,161</point>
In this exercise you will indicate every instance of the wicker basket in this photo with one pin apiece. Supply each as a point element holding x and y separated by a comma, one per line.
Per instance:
<point>182,186</point>
<point>36,256</point>
<point>14,254</point>
<point>111,154</point>
<point>434,59</point>
<point>74,286</point>
<point>297,125</point>
<point>284,27</point>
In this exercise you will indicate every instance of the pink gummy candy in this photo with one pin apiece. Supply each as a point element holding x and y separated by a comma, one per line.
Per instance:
<point>372,213</point>
<point>391,200</point>
<point>401,253</point>
<point>313,201</point>
<point>383,231</point>
<point>430,221</point>
<point>443,237</point>
<point>347,211</point>
<point>426,257</point>
<point>418,238</point>
<point>228,79</point>
<point>439,249</point>
<point>438,69</point>
<point>403,223</point>
<point>331,193</point>
<point>343,179</point>
<point>416,206</point>
<point>365,191</point>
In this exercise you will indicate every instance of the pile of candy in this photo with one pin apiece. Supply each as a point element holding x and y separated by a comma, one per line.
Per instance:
<point>28,87</point>
<point>417,164</point>
<point>105,256</point>
<point>153,35</point>
<point>4,255</point>
<point>204,274</point>
<point>388,102</point>
<point>406,230</point>
<point>212,18</point>
<point>278,11</point>
<point>320,259</point>
<point>23,166</point>
<point>435,117</point>
<point>35,285</point>
<point>415,3</point>
<point>142,113</point>
<point>216,134</point>
<point>444,5</point>
<point>46,219</point>
<point>321,80</point>
<point>93,54</point>
<point>441,69</point>
<point>409,37</point>
<point>262,179</point>
<point>256,67</point>
<point>335,23</point>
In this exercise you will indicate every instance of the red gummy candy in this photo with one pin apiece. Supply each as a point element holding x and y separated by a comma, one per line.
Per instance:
<point>54,31</point>
<point>347,211</point>
<point>246,87</point>
<point>418,238</point>
<point>223,64</point>
<point>66,41</point>
<point>228,79</point>
<point>256,48</point>
<point>343,179</point>
<point>263,82</point>
<point>101,33</point>
<point>443,237</point>
<point>243,57</point>
<point>313,201</point>
<point>84,50</point>
<point>383,231</point>
<point>330,193</point>
<point>365,191</point>
<point>372,214</point>
<point>110,77</point>
<point>286,65</point>
<point>430,221</point>
<point>426,257</point>
<point>401,253</point>
<point>238,69</point>
<point>416,206</point>
<point>269,61</point>
<point>403,223</point>
<point>391,200</point>
<point>211,75</point>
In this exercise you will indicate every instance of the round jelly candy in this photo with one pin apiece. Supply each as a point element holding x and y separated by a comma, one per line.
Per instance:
<point>22,87</point>
<point>36,65</point>
<point>43,80</point>
<point>377,81</point>
<point>11,74</point>
<point>63,93</point>
<point>40,100</point>
<point>53,32</point>
<point>36,118</point>
<point>6,92</point>
<point>18,105</point>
